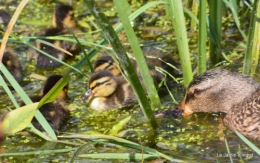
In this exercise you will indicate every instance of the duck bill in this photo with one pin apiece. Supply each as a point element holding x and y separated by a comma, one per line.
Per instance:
<point>87,94</point>
<point>186,110</point>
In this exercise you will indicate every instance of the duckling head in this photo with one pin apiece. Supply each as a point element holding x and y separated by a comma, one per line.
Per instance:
<point>63,15</point>
<point>13,65</point>
<point>101,84</point>
<point>107,63</point>
<point>216,91</point>
<point>4,17</point>
<point>49,84</point>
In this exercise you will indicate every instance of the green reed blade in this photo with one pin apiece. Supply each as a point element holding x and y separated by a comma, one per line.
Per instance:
<point>119,141</point>
<point>252,48</point>
<point>202,37</point>
<point>215,29</point>
<point>249,143</point>
<point>194,9</point>
<point>179,26</point>
<point>138,54</point>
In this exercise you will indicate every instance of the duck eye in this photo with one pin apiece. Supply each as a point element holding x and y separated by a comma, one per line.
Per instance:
<point>197,91</point>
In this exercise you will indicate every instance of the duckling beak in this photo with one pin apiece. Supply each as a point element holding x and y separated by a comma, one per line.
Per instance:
<point>87,94</point>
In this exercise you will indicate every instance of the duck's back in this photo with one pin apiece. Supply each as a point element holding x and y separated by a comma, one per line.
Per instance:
<point>245,117</point>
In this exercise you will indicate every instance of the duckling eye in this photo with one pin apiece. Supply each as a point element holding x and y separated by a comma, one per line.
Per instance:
<point>98,84</point>
<point>197,91</point>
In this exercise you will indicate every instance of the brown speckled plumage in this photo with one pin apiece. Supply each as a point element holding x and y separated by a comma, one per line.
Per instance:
<point>236,94</point>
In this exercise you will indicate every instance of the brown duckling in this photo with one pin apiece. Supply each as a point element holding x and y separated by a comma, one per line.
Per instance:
<point>106,91</point>
<point>107,63</point>
<point>4,17</point>
<point>63,16</point>
<point>154,58</point>
<point>56,113</point>
<point>235,94</point>
<point>13,65</point>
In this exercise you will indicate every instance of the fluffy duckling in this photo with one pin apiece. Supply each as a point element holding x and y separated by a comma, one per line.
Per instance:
<point>4,17</point>
<point>107,91</point>
<point>56,112</point>
<point>63,16</point>
<point>13,65</point>
<point>107,63</point>
<point>154,58</point>
<point>235,94</point>
<point>157,59</point>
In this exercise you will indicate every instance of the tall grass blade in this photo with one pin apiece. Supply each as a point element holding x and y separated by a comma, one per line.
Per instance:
<point>82,49</point>
<point>194,9</point>
<point>120,156</point>
<point>123,60</point>
<point>228,151</point>
<point>252,48</point>
<point>119,141</point>
<point>202,37</point>
<point>10,26</point>
<point>249,143</point>
<point>232,4</point>
<point>215,29</point>
<point>138,54</point>
<point>179,26</point>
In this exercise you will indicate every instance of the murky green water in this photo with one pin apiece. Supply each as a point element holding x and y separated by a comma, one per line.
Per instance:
<point>197,138</point>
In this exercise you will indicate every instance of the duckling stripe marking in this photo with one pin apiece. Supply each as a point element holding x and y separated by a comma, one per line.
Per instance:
<point>99,83</point>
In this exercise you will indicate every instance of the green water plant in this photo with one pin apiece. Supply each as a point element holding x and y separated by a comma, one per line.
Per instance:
<point>202,37</point>
<point>252,48</point>
<point>215,30</point>
<point>178,20</point>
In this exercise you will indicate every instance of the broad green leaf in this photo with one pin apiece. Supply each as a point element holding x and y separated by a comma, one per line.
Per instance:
<point>19,118</point>
<point>115,129</point>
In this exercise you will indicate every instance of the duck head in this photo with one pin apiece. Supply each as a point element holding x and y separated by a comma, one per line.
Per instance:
<point>215,91</point>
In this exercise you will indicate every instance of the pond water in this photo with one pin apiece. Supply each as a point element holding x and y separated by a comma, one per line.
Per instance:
<point>196,139</point>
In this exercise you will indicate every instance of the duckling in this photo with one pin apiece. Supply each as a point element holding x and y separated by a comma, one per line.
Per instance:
<point>158,59</point>
<point>56,113</point>
<point>235,94</point>
<point>4,17</point>
<point>13,65</point>
<point>107,63</point>
<point>107,91</point>
<point>63,16</point>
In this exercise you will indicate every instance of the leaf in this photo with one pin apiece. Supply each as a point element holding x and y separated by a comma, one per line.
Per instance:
<point>19,118</point>
<point>115,129</point>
